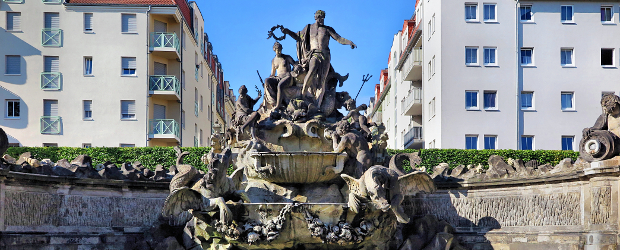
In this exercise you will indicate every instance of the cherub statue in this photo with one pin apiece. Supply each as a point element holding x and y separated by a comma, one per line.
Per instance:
<point>602,141</point>
<point>354,145</point>
<point>280,78</point>
<point>244,114</point>
<point>386,189</point>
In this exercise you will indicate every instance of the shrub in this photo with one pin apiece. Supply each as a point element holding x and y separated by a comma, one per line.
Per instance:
<point>148,156</point>
<point>455,157</point>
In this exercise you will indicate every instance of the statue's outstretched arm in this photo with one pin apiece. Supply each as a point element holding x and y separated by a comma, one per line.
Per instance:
<point>291,33</point>
<point>340,39</point>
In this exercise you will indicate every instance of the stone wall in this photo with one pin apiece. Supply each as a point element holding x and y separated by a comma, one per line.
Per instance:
<point>578,210</point>
<point>38,211</point>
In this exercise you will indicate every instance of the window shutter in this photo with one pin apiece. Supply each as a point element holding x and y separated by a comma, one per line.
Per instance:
<point>13,65</point>
<point>52,64</point>
<point>87,105</point>
<point>129,23</point>
<point>129,107</point>
<point>13,21</point>
<point>52,20</point>
<point>88,21</point>
<point>129,63</point>
<point>50,108</point>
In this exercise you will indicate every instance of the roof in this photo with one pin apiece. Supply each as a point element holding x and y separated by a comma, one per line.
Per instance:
<point>123,2</point>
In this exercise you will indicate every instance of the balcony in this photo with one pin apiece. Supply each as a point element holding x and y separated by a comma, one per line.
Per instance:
<point>51,125</point>
<point>413,138</point>
<point>412,68</point>
<point>164,129</point>
<point>51,37</point>
<point>412,103</point>
<point>166,87</point>
<point>50,80</point>
<point>165,45</point>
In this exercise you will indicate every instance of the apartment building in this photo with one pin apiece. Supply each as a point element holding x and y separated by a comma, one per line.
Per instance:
<point>123,73</point>
<point>504,74</point>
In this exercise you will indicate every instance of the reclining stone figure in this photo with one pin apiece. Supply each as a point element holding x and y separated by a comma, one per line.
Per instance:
<point>602,141</point>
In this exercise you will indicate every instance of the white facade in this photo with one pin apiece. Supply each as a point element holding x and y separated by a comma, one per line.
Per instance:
<point>566,50</point>
<point>107,56</point>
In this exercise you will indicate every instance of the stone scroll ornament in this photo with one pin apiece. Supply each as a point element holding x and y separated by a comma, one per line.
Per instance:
<point>602,141</point>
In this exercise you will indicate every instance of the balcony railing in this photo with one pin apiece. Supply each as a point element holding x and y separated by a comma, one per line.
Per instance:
<point>51,1</point>
<point>414,59</point>
<point>164,127</point>
<point>195,141</point>
<point>161,40</point>
<point>196,109</point>
<point>414,96</point>
<point>50,80</point>
<point>51,37</point>
<point>414,133</point>
<point>50,125</point>
<point>165,83</point>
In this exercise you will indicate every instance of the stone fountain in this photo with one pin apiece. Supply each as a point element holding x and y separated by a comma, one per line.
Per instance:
<point>305,175</point>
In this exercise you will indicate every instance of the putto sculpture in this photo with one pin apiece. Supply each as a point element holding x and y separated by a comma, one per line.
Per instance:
<point>303,175</point>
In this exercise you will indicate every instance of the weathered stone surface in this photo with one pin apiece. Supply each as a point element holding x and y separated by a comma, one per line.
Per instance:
<point>565,165</point>
<point>63,168</point>
<point>440,171</point>
<point>138,166</point>
<point>519,165</point>
<point>260,191</point>
<point>532,163</point>
<point>544,169</point>
<point>458,171</point>
<point>160,173</point>
<point>131,173</point>
<point>9,159</point>
<point>83,161</point>
<point>601,205</point>
<point>22,158</point>
<point>498,168</point>
<point>85,171</point>
<point>441,241</point>
<point>46,169</point>
<point>111,172</point>
<point>322,194</point>
<point>99,167</point>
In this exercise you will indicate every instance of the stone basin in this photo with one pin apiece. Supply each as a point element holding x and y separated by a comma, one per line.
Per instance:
<point>296,167</point>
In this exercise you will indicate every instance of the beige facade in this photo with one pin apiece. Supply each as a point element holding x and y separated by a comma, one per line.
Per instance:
<point>140,69</point>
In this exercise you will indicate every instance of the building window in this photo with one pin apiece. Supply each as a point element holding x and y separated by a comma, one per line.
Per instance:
<point>431,107</point>
<point>129,66</point>
<point>471,100</point>
<point>527,142</point>
<point>490,100</point>
<point>128,110</point>
<point>430,71</point>
<point>566,57</point>
<point>88,22</point>
<point>567,142</point>
<point>88,66</point>
<point>433,65</point>
<point>13,21</point>
<point>489,12</point>
<point>183,79</point>
<point>471,142</point>
<point>87,145</point>
<point>50,144</point>
<point>201,103</point>
<point>607,14</point>
<point>88,111</point>
<point>527,55</point>
<point>471,56</point>
<point>429,29</point>
<point>433,21</point>
<point>607,57</point>
<point>127,145</point>
<point>13,65</point>
<point>567,13</point>
<point>489,56</point>
<point>527,100</point>
<point>526,13</point>
<point>129,23</point>
<point>490,142</point>
<point>12,109</point>
<point>201,139</point>
<point>431,144</point>
<point>568,101</point>
<point>471,12</point>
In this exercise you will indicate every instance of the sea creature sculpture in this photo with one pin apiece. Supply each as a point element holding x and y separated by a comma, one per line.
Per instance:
<point>386,189</point>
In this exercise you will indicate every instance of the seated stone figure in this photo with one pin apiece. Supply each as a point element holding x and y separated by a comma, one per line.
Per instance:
<point>244,111</point>
<point>280,80</point>
<point>602,141</point>
<point>354,145</point>
<point>358,121</point>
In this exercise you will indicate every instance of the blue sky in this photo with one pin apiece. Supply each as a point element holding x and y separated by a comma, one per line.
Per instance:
<point>238,32</point>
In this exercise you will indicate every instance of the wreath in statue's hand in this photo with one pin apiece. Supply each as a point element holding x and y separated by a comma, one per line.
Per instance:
<point>270,33</point>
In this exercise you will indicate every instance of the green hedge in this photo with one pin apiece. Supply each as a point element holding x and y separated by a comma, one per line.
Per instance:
<point>148,156</point>
<point>166,156</point>
<point>455,157</point>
